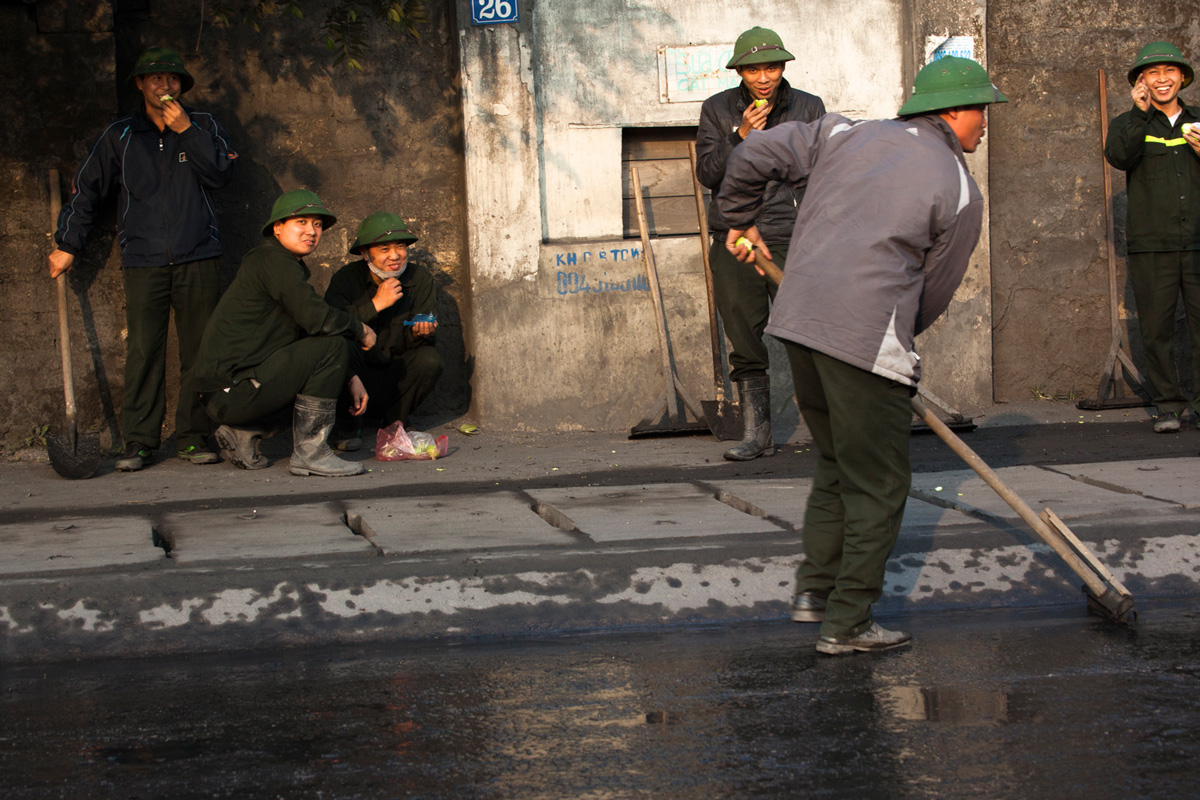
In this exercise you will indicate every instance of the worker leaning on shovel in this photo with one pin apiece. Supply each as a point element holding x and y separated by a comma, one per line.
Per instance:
<point>882,240</point>
<point>1159,149</point>
<point>164,161</point>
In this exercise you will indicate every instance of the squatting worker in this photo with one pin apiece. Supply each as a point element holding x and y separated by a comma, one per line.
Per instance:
<point>763,100</point>
<point>273,340</point>
<point>165,159</point>
<point>1160,153</point>
<point>398,299</point>
<point>881,242</point>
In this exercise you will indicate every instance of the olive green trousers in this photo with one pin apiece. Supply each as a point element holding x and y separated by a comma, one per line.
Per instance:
<point>861,424</point>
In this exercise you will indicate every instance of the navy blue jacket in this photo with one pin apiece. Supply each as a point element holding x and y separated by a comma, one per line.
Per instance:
<point>164,210</point>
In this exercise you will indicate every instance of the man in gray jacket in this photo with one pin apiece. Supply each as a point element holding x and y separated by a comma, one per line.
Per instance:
<point>881,243</point>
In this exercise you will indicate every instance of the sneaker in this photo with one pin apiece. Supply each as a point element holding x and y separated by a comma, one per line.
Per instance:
<point>197,455</point>
<point>134,458</point>
<point>808,607</point>
<point>1166,422</point>
<point>873,638</point>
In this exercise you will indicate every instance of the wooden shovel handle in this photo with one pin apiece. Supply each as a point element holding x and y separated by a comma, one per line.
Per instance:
<point>64,329</point>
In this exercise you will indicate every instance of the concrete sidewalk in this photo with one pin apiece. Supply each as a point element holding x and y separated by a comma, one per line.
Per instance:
<point>510,535</point>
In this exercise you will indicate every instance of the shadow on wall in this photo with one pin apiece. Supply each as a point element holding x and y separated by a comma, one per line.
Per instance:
<point>350,135</point>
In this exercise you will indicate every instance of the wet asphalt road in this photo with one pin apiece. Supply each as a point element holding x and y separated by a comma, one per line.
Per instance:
<point>985,704</point>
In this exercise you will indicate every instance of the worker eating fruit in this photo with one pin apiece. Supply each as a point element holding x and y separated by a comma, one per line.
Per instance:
<point>164,160</point>
<point>1162,170</point>
<point>397,297</point>
<point>761,101</point>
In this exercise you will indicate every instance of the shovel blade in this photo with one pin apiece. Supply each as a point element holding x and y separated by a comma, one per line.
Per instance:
<point>74,456</point>
<point>724,419</point>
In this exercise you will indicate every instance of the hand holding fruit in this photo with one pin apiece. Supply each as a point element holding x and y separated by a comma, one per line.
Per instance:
<point>754,118</point>
<point>174,116</point>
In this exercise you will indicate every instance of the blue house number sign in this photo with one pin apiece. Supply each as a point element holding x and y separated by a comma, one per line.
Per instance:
<point>492,12</point>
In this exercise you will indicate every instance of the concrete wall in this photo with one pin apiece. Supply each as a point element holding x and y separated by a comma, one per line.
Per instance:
<point>517,129</point>
<point>1049,256</point>
<point>545,102</point>
<point>389,138</point>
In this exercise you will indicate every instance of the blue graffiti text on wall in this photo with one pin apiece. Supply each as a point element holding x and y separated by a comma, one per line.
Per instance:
<point>577,283</point>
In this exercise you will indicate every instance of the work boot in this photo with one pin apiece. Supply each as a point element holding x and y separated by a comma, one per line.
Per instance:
<point>808,607</point>
<point>754,398</point>
<point>1166,422</point>
<point>239,446</point>
<point>134,457</point>
<point>312,422</point>
<point>873,638</point>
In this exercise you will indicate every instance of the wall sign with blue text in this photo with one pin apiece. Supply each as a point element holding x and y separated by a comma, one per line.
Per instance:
<point>493,12</point>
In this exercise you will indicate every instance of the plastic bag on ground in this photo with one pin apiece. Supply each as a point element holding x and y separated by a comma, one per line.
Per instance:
<point>393,443</point>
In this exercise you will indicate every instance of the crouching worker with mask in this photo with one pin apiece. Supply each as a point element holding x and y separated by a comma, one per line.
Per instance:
<point>398,299</point>
<point>273,340</point>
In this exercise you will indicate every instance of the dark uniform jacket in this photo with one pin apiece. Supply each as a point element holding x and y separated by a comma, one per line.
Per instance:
<point>164,212</point>
<point>1162,174</point>
<point>720,118</point>
<point>269,305</point>
<point>352,289</point>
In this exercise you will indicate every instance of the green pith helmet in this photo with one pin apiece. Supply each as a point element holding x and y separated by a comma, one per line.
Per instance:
<point>161,59</point>
<point>380,228</point>
<point>298,203</point>
<point>1160,53</point>
<point>758,46</point>
<point>950,82</point>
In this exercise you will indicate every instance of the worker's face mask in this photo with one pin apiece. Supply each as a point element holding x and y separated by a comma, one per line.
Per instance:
<point>387,260</point>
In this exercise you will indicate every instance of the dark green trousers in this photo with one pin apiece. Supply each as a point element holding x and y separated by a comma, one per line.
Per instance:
<point>1158,279</point>
<point>861,425</point>
<point>744,299</point>
<point>151,293</point>
<point>395,390</point>
<point>317,366</point>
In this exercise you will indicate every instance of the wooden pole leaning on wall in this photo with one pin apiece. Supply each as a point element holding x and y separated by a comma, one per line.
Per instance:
<point>1111,393</point>
<point>668,418</point>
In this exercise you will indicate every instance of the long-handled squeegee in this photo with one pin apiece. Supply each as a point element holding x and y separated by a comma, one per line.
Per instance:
<point>1106,596</point>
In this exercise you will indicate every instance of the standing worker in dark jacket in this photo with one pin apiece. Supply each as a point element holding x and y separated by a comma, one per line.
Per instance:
<point>166,159</point>
<point>1157,143</point>
<point>762,100</point>
<point>880,245</point>
<point>398,299</point>
<point>272,341</point>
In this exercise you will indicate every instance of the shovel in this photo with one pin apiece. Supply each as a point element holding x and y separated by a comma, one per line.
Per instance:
<point>724,417</point>
<point>71,455</point>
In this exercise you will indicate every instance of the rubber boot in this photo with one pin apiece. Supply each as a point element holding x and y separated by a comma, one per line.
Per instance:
<point>754,398</point>
<point>239,446</point>
<point>312,422</point>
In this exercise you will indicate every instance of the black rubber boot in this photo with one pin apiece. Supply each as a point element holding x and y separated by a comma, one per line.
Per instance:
<point>239,446</point>
<point>754,397</point>
<point>312,421</point>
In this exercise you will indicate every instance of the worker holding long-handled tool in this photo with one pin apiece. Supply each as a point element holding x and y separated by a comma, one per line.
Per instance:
<point>881,242</point>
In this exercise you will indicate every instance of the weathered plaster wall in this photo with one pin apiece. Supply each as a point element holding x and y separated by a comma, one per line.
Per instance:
<point>545,102</point>
<point>1049,257</point>
<point>389,138</point>
<point>956,352</point>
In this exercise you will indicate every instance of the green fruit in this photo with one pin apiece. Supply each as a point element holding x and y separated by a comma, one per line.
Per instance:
<point>759,103</point>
